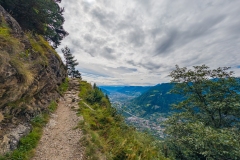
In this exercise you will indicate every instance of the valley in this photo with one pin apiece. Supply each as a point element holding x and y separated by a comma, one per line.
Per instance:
<point>138,105</point>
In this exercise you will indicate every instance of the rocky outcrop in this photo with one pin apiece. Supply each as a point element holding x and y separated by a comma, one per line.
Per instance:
<point>30,73</point>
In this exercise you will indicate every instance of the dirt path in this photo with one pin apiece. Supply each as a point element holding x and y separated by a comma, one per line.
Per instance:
<point>60,141</point>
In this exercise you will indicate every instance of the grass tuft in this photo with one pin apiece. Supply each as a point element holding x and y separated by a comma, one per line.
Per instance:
<point>64,86</point>
<point>24,73</point>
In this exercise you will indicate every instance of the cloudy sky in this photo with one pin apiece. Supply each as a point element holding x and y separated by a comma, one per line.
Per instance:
<point>138,42</point>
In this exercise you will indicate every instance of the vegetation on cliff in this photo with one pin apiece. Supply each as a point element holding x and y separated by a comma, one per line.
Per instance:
<point>30,73</point>
<point>23,63</point>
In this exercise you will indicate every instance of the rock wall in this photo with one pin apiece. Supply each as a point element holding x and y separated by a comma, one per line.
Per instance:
<point>30,73</point>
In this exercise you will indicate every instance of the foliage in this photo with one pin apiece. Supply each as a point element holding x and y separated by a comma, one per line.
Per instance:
<point>27,144</point>
<point>43,17</point>
<point>95,95</point>
<point>71,63</point>
<point>208,125</point>
<point>107,135</point>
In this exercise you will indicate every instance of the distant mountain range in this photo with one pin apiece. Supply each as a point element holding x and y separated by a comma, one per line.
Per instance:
<point>143,99</point>
<point>127,90</point>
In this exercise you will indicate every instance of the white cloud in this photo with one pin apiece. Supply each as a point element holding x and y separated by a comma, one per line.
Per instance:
<point>138,42</point>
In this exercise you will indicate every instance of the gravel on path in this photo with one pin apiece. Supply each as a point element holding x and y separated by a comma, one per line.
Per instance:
<point>60,139</point>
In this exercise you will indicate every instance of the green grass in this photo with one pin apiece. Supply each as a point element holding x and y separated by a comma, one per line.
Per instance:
<point>4,31</point>
<point>25,74</point>
<point>9,43</point>
<point>52,107</point>
<point>107,135</point>
<point>37,47</point>
<point>64,86</point>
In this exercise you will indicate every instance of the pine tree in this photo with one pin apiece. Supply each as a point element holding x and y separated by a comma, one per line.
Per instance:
<point>43,17</point>
<point>71,63</point>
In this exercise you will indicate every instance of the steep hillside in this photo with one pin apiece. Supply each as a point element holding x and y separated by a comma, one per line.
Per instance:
<point>157,99</point>
<point>30,73</point>
<point>106,134</point>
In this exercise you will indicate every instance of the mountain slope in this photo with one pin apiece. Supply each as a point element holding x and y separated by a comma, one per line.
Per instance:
<point>157,99</point>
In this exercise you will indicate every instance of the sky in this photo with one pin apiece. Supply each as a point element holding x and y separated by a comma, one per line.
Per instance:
<point>139,42</point>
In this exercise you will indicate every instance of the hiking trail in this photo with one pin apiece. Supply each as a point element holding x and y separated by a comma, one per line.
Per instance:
<point>60,139</point>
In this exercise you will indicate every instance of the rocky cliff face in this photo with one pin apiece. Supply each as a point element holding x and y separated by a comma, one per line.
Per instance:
<point>30,73</point>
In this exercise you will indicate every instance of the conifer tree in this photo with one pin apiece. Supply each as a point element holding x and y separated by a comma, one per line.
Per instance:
<point>43,17</point>
<point>71,63</point>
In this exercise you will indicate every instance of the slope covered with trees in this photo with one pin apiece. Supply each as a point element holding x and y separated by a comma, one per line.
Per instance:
<point>157,99</point>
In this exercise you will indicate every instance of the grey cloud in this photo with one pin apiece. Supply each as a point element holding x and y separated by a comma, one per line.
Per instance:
<point>91,26</point>
<point>147,65</point>
<point>92,74</point>
<point>104,18</point>
<point>131,62</point>
<point>167,42</point>
<point>108,53</point>
<point>234,29</point>
<point>155,32</point>
<point>86,6</point>
<point>88,38</point>
<point>122,25</point>
<point>204,27</point>
<point>75,42</point>
<point>124,70</point>
<point>176,38</point>
<point>99,41</point>
<point>108,50</point>
<point>151,66</point>
<point>137,37</point>
<point>91,51</point>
